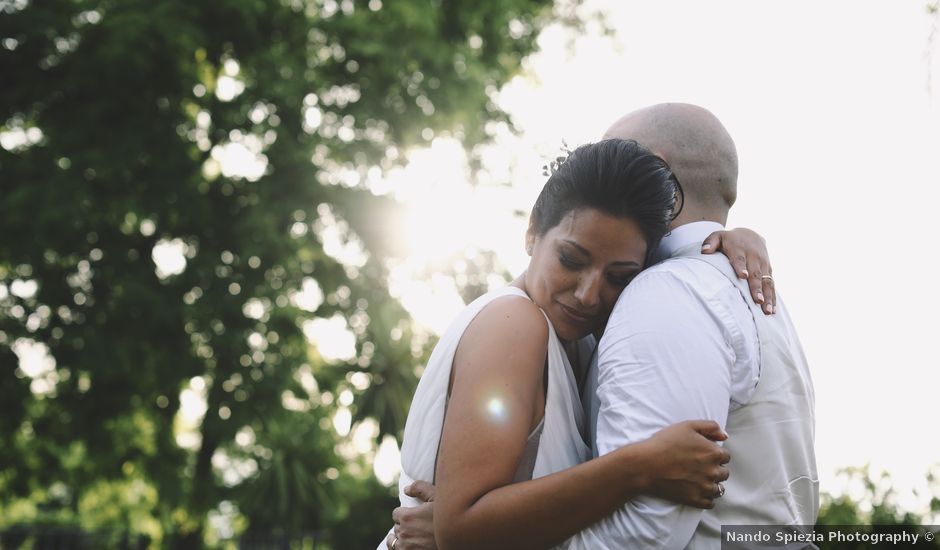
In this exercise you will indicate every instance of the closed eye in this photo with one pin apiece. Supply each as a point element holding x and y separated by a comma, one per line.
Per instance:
<point>568,263</point>
<point>621,280</point>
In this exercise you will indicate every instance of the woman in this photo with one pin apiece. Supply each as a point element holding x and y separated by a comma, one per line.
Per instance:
<point>496,420</point>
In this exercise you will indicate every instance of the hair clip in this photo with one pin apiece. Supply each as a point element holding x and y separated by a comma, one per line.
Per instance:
<point>554,165</point>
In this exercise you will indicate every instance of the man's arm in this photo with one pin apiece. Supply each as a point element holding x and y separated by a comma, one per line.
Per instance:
<point>667,355</point>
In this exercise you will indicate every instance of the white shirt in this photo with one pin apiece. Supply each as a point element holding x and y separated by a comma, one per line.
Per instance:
<point>681,344</point>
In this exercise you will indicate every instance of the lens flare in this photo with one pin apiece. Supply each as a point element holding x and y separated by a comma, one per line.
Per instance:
<point>496,409</point>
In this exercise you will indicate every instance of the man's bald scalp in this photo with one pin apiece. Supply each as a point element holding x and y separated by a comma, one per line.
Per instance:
<point>696,146</point>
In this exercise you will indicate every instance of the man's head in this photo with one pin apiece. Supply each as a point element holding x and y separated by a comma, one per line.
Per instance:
<point>697,148</point>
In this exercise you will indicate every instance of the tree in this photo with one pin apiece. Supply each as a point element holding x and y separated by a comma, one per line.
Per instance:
<point>231,142</point>
<point>874,509</point>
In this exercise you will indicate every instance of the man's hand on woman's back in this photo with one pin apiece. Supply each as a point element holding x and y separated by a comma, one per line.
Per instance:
<point>414,527</point>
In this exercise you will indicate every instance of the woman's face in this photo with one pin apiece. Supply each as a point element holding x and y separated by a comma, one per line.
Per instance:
<point>580,266</point>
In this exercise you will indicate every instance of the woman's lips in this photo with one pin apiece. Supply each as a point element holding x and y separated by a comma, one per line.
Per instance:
<point>575,315</point>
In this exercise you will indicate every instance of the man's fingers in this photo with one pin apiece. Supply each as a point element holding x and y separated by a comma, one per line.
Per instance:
<point>398,513</point>
<point>421,490</point>
<point>390,539</point>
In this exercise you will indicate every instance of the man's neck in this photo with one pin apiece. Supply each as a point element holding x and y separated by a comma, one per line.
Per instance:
<point>691,215</point>
<point>692,233</point>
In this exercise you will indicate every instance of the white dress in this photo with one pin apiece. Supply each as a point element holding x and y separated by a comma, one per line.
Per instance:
<point>561,444</point>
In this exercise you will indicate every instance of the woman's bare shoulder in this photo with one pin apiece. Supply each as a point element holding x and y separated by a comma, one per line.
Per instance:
<point>510,329</point>
<point>513,320</point>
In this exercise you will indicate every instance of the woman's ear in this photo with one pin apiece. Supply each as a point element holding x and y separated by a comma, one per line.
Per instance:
<point>530,237</point>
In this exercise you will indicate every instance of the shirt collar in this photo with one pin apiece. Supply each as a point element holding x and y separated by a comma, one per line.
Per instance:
<point>684,235</point>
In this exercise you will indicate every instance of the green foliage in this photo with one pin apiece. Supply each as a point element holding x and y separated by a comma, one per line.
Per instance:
<point>116,116</point>
<point>871,501</point>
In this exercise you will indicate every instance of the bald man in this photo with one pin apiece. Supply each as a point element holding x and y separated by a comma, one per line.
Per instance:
<point>685,341</point>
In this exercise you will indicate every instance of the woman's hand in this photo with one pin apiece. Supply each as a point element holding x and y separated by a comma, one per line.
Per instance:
<point>414,527</point>
<point>689,464</point>
<point>748,254</point>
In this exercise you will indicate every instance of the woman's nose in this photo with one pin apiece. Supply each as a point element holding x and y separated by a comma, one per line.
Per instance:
<point>588,292</point>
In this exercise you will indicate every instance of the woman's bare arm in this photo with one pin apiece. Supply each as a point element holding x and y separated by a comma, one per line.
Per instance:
<point>496,398</point>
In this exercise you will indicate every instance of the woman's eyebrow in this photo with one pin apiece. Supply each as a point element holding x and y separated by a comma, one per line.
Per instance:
<point>587,253</point>
<point>578,247</point>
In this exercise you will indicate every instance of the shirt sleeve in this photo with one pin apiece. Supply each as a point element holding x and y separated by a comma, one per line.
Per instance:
<point>665,357</point>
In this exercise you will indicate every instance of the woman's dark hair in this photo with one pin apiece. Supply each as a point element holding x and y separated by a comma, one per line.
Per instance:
<point>619,177</point>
